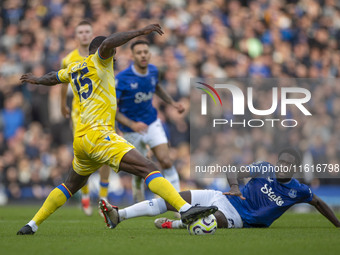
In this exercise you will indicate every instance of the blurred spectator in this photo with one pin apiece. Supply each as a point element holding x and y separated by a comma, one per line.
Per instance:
<point>12,115</point>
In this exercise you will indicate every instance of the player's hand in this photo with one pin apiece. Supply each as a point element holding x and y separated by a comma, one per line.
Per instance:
<point>139,127</point>
<point>151,28</point>
<point>235,191</point>
<point>29,78</point>
<point>65,111</point>
<point>179,107</point>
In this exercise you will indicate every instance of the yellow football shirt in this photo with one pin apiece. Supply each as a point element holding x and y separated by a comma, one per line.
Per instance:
<point>92,81</point>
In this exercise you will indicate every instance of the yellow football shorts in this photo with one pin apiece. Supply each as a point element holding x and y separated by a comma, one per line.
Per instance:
<point>96,148</point>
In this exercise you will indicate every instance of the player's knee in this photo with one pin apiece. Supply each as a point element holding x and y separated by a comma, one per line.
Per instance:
<point>165,163</point>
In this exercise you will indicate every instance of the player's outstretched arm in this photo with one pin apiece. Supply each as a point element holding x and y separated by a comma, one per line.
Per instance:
<point>107,48</point>
<point>48,79</point>
<point>325,210</point>
<point>164,95</point>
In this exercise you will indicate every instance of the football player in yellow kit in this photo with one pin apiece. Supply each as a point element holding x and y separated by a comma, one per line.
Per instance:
<point>96,142</point>
<point>84,35</point>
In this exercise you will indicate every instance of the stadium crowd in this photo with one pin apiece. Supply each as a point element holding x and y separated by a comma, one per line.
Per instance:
<point>208,39</point>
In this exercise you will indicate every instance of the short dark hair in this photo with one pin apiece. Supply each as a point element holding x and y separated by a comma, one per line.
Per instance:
<point>96,42</point>
<point>139,42</point>
<point>84,22</point>
<point>294,152</point>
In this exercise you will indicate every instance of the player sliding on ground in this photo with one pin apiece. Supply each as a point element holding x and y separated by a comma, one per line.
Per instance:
<point>263,200</point>
<point>95,140</point>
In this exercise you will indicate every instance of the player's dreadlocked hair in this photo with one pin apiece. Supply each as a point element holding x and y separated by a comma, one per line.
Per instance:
<point>295,153</point>
<point>96,42</point>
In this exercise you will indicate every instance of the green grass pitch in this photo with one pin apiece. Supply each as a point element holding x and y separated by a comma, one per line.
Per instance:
<point>69,231</point>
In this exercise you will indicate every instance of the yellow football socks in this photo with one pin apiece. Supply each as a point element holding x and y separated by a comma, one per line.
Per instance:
<point>162,187</point>
<point>55,199</point>
<point>103,189</point>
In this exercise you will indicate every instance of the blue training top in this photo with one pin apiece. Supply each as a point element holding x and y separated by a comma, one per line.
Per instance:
<point>134,92</point>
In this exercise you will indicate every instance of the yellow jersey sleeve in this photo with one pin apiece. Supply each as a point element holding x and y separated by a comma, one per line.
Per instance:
<point>105,62</point>
<point>63,75</point>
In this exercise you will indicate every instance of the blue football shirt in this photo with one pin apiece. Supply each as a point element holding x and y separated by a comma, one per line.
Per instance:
<point>134,92</point>
<point>267,199</point>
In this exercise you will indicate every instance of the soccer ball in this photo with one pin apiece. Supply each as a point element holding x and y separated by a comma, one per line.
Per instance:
<point>203,226</point>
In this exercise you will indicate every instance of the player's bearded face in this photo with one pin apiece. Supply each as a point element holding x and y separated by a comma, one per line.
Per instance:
<point>141,55</point>
<point>84,34</point>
